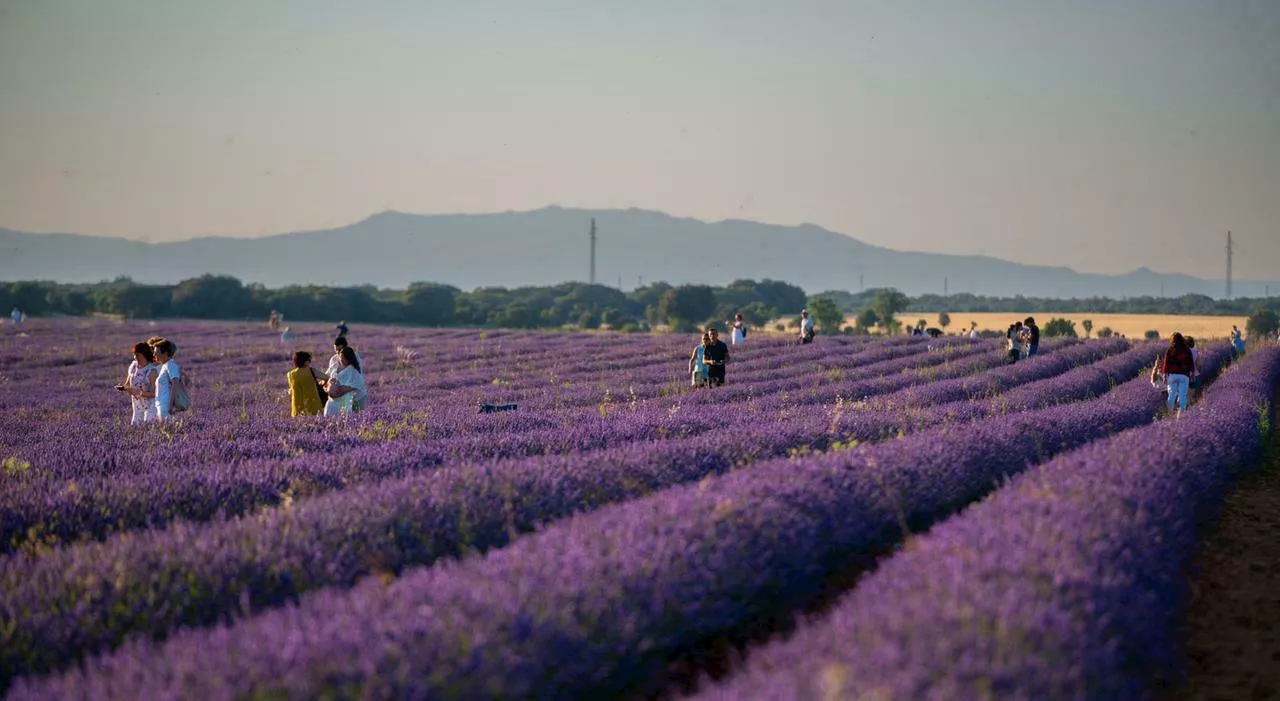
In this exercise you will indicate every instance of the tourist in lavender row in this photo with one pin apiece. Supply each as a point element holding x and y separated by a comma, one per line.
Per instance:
<point>16,315</point>
<point>697,363</point>
<point>806,327</point>
<point>1237,340</point>
<point>345,386</point>
<point>164,351</point>
<point>1033,336</point>
<point>341,328</point>
<point>1178,366</point>
<point>715,355</point>
<point>1013,342</point>
<point>286,336</point>
<point>739,333</point>
<point>306,394</point>
<point>335,362</point>
<point>139,384</point>
<point>1195,360</point>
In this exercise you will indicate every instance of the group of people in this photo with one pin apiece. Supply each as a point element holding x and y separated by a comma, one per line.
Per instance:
<point>1022,339</point>
<point>340,389</point>
<point>1177,371</point>
<point>154,382</point>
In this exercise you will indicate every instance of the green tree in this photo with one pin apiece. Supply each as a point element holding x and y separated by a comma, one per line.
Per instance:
<point>430,304</point>
<point>212,297</point>
<point>683,306</point>
<point>887,303</point>
<point>1088,327</point>
<point>1105,332</point>
<point>944,320</point>
<point>1060,327</point>
<point>1151,335</point>
<point>1262,322</point>
<point>826,315</point>
<point>867,318</point>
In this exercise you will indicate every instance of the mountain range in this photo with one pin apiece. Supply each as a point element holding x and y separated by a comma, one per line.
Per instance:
<point>551,245</point>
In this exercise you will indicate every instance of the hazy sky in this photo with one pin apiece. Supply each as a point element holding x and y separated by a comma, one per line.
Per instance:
<point>1100,135</point>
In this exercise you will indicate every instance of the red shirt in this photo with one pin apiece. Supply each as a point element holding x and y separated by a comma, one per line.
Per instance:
<point>1178,361</point>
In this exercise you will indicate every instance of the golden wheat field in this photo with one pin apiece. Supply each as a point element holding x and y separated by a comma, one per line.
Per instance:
<point>1131,325</point>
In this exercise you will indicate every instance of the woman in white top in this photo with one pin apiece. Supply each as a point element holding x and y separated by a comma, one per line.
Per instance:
<point>346,389</point>
<point>164,351</point>
<point>139,383</point>
<point>739,330</point>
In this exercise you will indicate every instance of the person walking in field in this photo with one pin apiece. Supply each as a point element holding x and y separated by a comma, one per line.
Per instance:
<point>139,384</point>
<point>1237,340</point>
<point>806,327</point>
<point>1195,361</point>
<point>739,333</point>
<point>1178,366</point>
<point>1033,336</point>
<point>715,355</point>
<point>16,315</point>
<point>697,362</point>
<point>168,375</point>
<point>306,394</point>
<point>341,328</point>
<point>346,386</point>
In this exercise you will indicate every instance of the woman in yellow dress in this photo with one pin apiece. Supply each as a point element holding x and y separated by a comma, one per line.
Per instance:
<point>304,386</point>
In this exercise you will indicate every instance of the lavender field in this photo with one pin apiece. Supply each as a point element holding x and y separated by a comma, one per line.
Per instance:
<point>899,518</point>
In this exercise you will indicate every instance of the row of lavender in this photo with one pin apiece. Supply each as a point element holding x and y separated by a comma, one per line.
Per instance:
<point>90,597</point>
<point>599,602</point>
<point>1066,584</point>
<point>198,481</point>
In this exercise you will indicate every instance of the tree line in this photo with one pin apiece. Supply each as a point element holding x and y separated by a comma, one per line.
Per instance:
<point>682,307</point>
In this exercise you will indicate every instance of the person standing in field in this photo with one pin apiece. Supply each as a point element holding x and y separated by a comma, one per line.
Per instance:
<point>806,327</point>
<point>1178,366</point>
<point>1237,340</point>
<point>715,354</point>
<point>346,386</point>
<point>341,328</point>
<point>697,362</point>
<point>16,315</point>
<point>164,351</point>
<point>139,384</point>
<point>306,395</point>
<point>739,333</point>
<point>1012,341</point>
<point>1033,336</point>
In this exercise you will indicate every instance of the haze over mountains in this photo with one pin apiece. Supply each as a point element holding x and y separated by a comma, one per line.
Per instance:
<point>550,245</point>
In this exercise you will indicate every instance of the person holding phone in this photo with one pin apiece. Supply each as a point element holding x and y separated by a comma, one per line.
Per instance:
<point>139,384</point>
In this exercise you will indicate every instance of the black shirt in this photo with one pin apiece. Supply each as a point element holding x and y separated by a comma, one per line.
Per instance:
<point>1035,334</point>
<point>716,353</point>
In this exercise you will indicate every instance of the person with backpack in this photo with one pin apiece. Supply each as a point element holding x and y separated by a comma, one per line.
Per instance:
<point>739,333</point>
<point>306,394</point>
<point>1178,366</point>
<point>171,395</point>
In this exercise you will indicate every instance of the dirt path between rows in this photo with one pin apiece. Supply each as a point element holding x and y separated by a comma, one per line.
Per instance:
<point>1232,632</point>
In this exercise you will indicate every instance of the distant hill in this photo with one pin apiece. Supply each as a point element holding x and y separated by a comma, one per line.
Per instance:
<point>550,245</point>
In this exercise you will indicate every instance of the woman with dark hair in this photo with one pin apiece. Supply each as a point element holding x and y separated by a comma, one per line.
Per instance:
<point>1178,366</point>
<point>305,393</point>
<point>347,386</point>
<point>697,362</point>
<point>139,384</point>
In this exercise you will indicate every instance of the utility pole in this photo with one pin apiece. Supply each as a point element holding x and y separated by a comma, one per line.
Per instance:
<point>945,293</point>
<point>860,285</point>
<point>1228,265</point>
<point>592,279</point>
<point>619,281</point>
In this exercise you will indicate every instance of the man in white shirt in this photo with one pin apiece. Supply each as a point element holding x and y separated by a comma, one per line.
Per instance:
<point>806,327</point>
